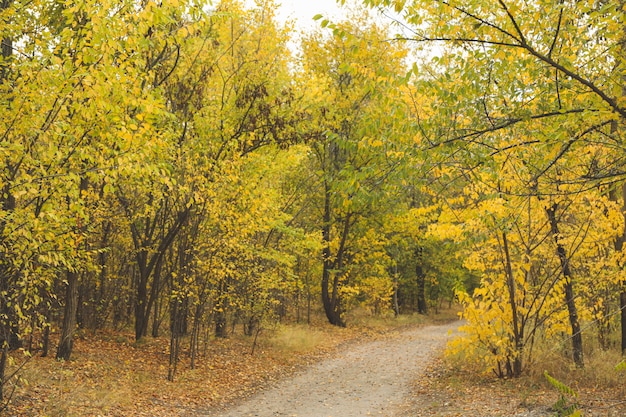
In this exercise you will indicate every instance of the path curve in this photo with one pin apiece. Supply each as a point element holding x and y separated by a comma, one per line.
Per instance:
<point>370,379</point>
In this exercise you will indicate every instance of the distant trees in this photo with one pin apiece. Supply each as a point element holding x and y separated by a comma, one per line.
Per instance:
<point>357,128</point>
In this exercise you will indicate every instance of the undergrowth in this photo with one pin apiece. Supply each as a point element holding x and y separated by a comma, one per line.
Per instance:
<point>109,374</point>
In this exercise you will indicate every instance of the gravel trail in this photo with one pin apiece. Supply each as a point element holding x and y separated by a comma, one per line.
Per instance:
<point>369,379</point>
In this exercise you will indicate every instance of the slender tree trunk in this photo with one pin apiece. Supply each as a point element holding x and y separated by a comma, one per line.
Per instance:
<point>516,369</point>
<point>8,203</point>
<point>219,316</point>
<point>331,299</point>
<point>3,365</point>
<point>141,301</point>
<point>577,338</point>
<point>396,303</point>
<point>150,265</point>
<point>308,298</point>
<point>614,195</point>
<point>221,325</point>
<point>146,299</point>
<point>326,255</point>
<point>195,334</point>
<point>156,321</point>
<point>622,306</point>
<point>64,350</point>
<point>174,339</point>
<point>45,344</point>
<point>621,124</point>
<point>422,307</point>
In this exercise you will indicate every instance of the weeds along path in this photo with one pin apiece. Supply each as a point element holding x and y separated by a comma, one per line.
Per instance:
<point>371,378</point>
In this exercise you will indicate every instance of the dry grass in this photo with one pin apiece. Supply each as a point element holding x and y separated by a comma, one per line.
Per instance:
<point>297,338</point>
<point>365,320</point>
<point>601,388</point>
<point>599,368</point>
<point>111,376</point>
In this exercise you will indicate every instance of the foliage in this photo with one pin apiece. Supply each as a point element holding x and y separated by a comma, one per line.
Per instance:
<point>352,76</point>
<point>564,406</point>
<point>524,136</point>
<point>173,167</point>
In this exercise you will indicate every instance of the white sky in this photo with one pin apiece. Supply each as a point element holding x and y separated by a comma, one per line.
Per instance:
<point>303,11</point>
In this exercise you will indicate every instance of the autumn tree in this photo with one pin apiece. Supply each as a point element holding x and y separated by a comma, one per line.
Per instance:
<point>355,140</point>
<point>561,81</point>
<point>63,127</point>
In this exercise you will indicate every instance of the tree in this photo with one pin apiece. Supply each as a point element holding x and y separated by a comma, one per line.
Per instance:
<point>508,73</point>
<point>354,75</point>
<point>63,127</point>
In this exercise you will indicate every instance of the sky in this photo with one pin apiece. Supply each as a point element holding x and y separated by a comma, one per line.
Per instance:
<point>304,10</point>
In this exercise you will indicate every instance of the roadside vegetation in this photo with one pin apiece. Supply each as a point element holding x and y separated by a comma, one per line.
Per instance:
<point>174,176</point>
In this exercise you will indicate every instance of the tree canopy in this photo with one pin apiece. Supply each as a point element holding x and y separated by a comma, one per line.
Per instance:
<point>175,168</point>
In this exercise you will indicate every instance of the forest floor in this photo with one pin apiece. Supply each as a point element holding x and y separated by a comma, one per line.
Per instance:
<point>381,367</point>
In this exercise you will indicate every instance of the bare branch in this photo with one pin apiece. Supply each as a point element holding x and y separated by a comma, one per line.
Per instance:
<point>509,123</point>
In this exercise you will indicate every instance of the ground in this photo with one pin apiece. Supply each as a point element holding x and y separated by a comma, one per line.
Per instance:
<point>368,379</point>
<point>448,392</point>
<point>389,368</point>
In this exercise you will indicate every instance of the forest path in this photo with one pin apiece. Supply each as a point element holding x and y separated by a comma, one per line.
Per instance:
<point>369,379</point>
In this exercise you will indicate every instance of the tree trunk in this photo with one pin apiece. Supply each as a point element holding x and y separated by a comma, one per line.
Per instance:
<point>516,369</point>
<point>6,50</point>
<point>331,298</point>
<point>174,339</point>
<point>221,328</point>
<point>151,266</point>
<point>141,302</point>
<point>64,351</point>
<point>308,298</point>
<point>577,338</point>
<point>396,304</point>
<point>422,307</point>
<point>622,306</point>
<point>614,195</point>
<point>195,334</point>
<point>3,366</point>
<point>622,59</point>
<point>156,321</point>
<point>45,344</point>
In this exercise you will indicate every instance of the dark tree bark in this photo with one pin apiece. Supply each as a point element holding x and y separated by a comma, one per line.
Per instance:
<point>45,343</point>
<point>422,307</point>
<point>577,338</point>
<point>176,333</point>
<point>615,195</point>
<point>396,302</point>
<point>221,325</point>
<point>622,306</point>
<point>66,343</point>
<point>64,350</point>
<point>151,241</point>
<point>8,204</point>
<point>331,272</point>
<point>622,58</point>
<point>515,369</point>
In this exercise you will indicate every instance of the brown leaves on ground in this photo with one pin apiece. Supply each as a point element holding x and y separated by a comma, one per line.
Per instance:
<point>448,392</point>
<point>111,376</point>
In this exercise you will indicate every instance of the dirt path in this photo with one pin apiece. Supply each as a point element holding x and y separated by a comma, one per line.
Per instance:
<point>370,379</point>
